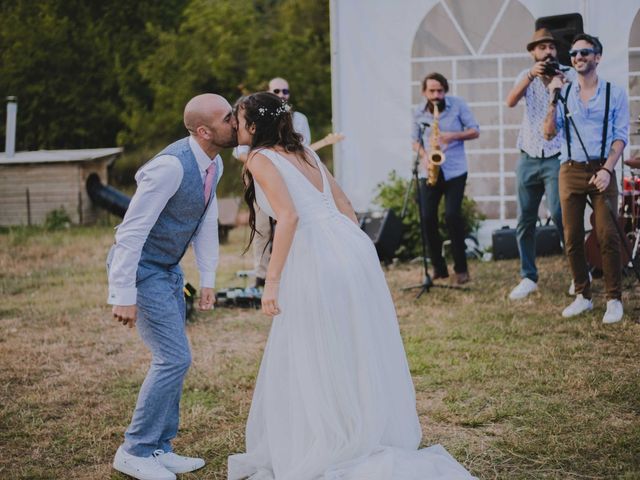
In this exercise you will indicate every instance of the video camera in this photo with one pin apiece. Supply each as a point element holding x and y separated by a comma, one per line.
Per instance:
<point>552,68</point>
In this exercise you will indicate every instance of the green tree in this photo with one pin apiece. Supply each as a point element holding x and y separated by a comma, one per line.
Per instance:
<point>206,53</point>
<point>70,62</point>
<point>233,47</point>
<point>95,74</point>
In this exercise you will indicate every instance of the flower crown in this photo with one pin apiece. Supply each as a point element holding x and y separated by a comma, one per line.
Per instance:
<point>285,107</point>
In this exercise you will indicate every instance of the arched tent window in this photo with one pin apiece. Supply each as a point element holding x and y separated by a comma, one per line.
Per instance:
<point>634,86</point>
<point>481,51</point>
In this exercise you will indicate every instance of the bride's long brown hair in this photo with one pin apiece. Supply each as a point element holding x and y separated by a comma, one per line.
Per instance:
<point>272,118</point>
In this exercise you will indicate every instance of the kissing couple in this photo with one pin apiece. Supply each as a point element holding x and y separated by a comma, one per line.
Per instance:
<point>334,398</point>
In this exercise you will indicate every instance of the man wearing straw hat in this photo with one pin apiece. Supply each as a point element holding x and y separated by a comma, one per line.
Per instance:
<point>539,163</point>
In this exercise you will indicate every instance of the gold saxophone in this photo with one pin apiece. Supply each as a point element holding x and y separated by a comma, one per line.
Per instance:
<point>436,155</point>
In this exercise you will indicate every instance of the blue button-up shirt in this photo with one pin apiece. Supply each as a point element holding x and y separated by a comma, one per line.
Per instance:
<point>589,120</point>
<point>456,117</point>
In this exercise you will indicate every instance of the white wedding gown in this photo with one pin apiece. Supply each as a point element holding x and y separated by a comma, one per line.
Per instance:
<point>334,399</point>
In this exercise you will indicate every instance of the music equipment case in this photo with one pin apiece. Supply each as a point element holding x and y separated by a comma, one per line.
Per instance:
<point>504,242</point>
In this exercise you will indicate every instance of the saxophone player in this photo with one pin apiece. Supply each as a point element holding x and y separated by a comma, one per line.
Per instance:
<point>445,122</point>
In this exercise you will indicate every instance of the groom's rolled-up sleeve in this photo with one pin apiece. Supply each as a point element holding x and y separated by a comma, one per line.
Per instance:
<point>157,182</point>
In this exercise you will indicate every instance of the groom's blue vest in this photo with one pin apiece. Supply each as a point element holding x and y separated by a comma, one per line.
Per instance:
<point>170,236</point>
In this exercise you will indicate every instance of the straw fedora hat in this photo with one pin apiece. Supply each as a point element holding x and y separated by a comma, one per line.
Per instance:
<point>540,35</point>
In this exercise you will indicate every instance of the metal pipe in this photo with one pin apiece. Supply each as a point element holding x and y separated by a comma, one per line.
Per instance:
<point>10,134</point>
<point>28,207</point>
<point>107,197</point>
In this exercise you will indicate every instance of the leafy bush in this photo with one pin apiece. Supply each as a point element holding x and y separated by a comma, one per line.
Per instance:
<point>57,219</point>
<point>391,195</point>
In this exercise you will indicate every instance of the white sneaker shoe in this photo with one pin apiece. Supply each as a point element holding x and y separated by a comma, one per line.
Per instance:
<point>523,289</point>
<point>177,463</point>
<point>142,468</point>
<point>578,306</point>
<point>614,312</point>
<point>572,287</point>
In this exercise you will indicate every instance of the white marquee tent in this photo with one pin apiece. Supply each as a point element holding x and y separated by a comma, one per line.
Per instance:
<point>381,50</point>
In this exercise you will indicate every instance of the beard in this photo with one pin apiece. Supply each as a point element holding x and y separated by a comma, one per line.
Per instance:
<point>228,141</point>
<point>441,105</point>
<point>548,58</point>
<point>585,68</point>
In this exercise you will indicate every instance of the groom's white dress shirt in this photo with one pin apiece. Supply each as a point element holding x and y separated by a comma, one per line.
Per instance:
<point>158,181</point>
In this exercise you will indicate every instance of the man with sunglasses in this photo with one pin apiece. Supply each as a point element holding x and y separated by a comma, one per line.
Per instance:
<point>280,87</point>
<point>539,163</point>
<point>261,249</point>
<point>593,118</point>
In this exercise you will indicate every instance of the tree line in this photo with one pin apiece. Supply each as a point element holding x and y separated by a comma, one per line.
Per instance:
<point>92,74</point>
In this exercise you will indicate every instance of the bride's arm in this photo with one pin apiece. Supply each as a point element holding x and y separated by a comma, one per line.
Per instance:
<point>275,189</point>
<point>342,201</point>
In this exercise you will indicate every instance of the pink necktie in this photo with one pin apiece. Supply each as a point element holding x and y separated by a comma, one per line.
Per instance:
<point>208,181</point>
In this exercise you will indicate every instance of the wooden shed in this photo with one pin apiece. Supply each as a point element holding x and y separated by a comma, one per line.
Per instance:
<point>32,184</point>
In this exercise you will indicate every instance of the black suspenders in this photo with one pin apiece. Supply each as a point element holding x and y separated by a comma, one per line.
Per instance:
<point>567,125</point>
<point>606,123</point>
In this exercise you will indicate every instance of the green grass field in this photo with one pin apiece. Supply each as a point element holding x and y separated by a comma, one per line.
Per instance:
<point>512,390</point>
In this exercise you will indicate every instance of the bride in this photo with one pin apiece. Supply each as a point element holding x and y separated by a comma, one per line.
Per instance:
<point>334,399</point>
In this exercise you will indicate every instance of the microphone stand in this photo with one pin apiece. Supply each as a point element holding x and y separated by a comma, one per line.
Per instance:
<point>635,262</point>
<point>427,282</point>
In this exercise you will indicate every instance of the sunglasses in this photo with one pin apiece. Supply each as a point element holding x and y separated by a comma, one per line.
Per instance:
<point>585,52</point>
<point>285,91</point>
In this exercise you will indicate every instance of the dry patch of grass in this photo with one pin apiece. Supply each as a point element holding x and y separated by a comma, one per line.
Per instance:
<point>510,389</point>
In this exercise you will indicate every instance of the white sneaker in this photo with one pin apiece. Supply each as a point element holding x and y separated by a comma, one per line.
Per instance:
<point>578,306</point>
<point>572,287</point>
<point>177,463</point>
<point>614,312</point>
<point>142,468</point>
<point>524,288</point>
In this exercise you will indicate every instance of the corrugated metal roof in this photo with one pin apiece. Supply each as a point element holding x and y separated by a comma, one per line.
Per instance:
<point>52,156</point>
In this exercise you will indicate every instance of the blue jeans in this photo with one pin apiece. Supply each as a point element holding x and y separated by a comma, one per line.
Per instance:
<point>535,177</point>
<point>161,324</point>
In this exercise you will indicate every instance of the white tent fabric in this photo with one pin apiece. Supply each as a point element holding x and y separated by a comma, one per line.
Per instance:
<point>374,79</point>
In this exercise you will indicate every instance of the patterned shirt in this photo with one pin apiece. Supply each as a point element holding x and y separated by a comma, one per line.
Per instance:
<point>456,117</point>
<point>589,120</point>
<point>537,98</point>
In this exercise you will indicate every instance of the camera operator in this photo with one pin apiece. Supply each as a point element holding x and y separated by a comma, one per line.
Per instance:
<point>593,118</point>
<point>539,163</point>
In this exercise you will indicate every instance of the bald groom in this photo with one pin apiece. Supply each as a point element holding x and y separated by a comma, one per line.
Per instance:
<point>174,206</point>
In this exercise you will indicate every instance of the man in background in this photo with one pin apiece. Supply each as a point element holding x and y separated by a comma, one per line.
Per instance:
<point>262,241</point>
<point>539,163</point>
<point>598,111</point>
<point>457,125</point>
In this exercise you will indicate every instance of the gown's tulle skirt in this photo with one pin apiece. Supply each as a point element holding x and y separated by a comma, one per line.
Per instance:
<point>334,399</point>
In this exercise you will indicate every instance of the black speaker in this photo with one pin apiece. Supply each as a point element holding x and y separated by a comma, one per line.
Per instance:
<point>385,231</point>
<point>548,241</point>
<point>563,28</point>
<point>504,242</point>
